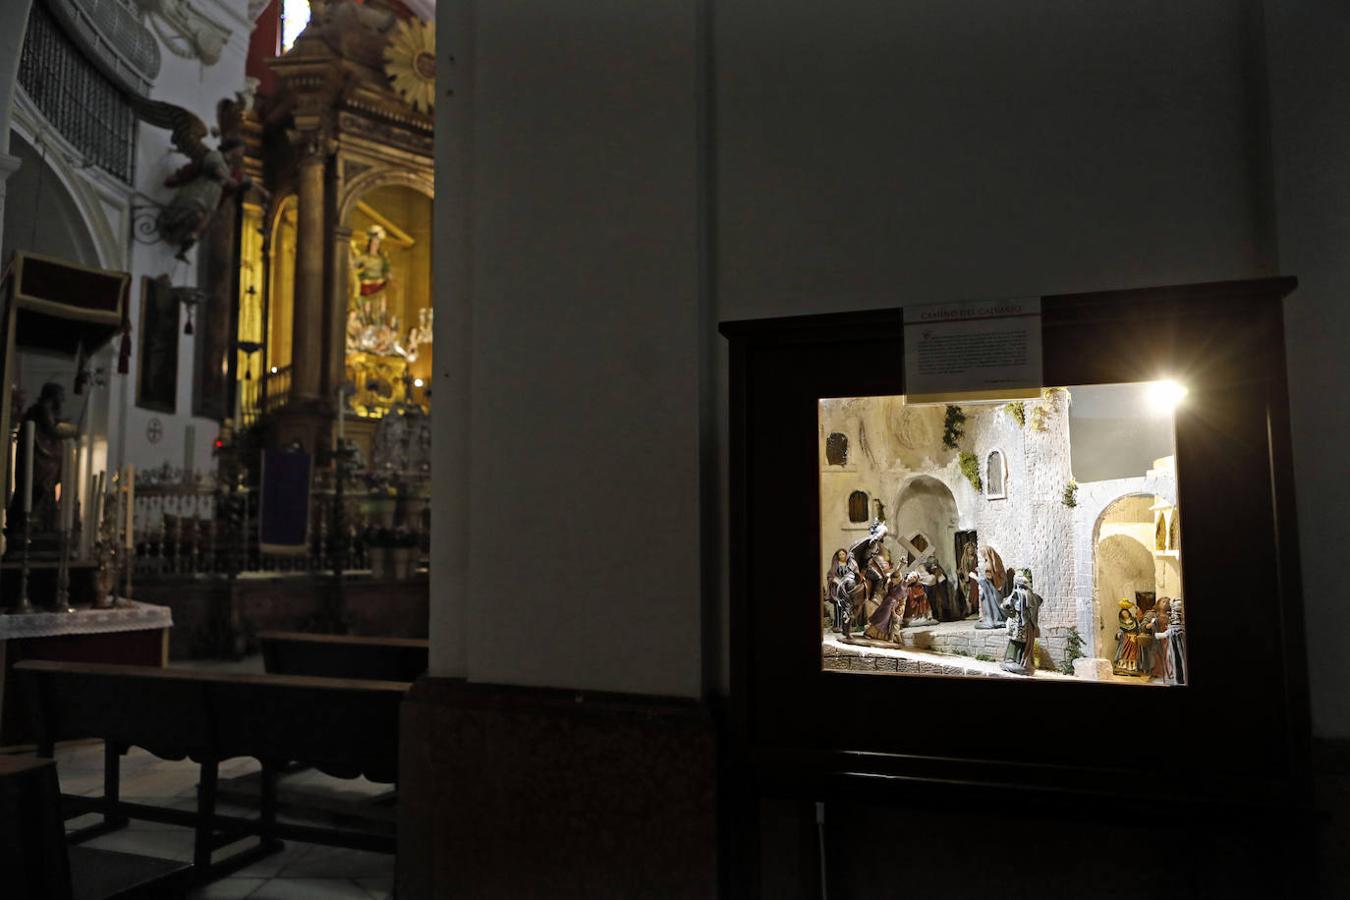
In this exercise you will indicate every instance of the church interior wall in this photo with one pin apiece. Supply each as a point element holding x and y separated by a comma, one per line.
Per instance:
<point>1309,72</point>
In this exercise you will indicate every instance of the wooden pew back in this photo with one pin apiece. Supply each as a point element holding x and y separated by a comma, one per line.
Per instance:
<point>343,656</point>
<point>345,727</point>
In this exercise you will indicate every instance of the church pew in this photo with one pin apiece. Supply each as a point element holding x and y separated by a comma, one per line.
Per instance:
<point>346,728</point>
<point>38,865</point>
<point>343,656</point>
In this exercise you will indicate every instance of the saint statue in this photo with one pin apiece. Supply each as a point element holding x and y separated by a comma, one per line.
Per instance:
<point>48,433</point>
<point>199,187</point>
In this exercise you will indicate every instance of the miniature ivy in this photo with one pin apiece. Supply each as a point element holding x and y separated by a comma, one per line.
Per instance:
<point>970,467</point>
<point>1018,410</point>
<point>952,430</point>
<point>1070,497</point>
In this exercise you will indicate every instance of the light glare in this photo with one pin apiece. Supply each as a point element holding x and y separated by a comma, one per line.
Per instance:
<point>1165,396</point>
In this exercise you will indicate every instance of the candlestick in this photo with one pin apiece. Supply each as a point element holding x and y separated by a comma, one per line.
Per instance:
<point>131,502</point>
<point>67,487</point>
<point>189,451</point>
<point>342,418</point>
<point>29,434</point>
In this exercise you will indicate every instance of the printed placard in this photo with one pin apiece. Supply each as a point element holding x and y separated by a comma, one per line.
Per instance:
<point>973,352</point>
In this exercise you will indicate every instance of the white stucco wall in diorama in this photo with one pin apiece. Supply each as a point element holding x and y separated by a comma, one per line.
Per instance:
<point>892,444</point>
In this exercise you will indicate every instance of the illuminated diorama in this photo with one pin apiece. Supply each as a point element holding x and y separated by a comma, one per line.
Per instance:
<point>1038,538</point>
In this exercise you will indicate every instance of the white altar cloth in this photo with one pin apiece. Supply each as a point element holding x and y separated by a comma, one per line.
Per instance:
<point>128,616</point>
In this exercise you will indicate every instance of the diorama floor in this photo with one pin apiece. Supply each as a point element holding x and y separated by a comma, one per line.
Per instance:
<point>298,872</point>
<point>942,648</point>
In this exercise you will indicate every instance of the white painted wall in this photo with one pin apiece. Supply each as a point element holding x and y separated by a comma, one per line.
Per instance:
<point>197,87</point>
<point>1309,74</point>
<point>868,154</point>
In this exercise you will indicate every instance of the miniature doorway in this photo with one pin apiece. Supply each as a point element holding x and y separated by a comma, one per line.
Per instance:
<point>1122,562</point>
<point>926,505</point>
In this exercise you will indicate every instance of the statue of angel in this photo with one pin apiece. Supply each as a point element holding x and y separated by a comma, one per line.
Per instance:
<point>210,175</point>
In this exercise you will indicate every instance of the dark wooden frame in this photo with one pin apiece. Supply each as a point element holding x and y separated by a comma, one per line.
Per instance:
<point>344,655</point>
<point>1240,730</point>
<point>151,395</point>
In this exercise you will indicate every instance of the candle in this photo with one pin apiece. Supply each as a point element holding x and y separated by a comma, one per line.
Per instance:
<point>98,504</point>
<point>189,451</point>
<point>72,460</point>
<point>29,433</point>
<point>131,502</point>
<point>342,418</point>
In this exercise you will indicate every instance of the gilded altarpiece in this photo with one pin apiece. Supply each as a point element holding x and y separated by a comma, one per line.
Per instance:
<point>341,274</point>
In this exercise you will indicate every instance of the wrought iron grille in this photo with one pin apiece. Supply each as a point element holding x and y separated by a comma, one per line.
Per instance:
<point>78,99</point>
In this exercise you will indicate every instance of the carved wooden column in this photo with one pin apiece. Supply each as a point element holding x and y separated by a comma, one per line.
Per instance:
<point>337,331</point>
<point>307,334</point>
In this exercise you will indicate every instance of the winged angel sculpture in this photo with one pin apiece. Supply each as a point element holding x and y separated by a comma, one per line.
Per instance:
<point>210,175</point>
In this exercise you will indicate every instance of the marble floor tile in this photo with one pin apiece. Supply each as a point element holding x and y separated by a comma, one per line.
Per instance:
<point>310,889</point>
<point>171,843</point>
<point>277,863</point>
<point>231,888</point>
<point>378,888</point>
<point>339,862</point>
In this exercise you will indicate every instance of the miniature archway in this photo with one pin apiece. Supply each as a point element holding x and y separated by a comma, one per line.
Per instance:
<point>1123,564</point>
<point>925,505</point>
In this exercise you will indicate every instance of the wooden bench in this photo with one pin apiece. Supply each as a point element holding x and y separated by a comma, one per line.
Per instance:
<point>343,656</point>
<point>345,728</point>
<point>34,858</point>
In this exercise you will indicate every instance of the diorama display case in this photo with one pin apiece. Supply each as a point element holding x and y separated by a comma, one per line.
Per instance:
<point>813,707</point>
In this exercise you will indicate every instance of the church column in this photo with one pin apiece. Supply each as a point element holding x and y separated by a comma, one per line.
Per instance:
<point>307,333</point>
<point>337,311</point>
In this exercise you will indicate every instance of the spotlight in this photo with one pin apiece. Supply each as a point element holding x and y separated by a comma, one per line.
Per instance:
<point>1165,396</point>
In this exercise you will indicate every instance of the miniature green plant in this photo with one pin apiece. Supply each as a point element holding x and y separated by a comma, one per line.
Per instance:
<point>984,657</point>
<point>970,467</point>
<point>952,430</point>
<point>1073,649</point>
<point>1018,411</point>
<point>1070,497</point>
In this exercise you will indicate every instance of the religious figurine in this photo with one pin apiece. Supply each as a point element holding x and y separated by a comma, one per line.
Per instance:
<point>373,271</point>
<point>967,590</point>
<point>865,550</point>
<point>1022,608</point>
<point>1126,661</point>
<point>1174,655</point>
<point>845,589</point>
<point>886,620</point>
<point>49,431</point>
<point>991,610</point>
<point>917,609</point>
<point>946,605</point>
<point>1150,649</point>
<point>210,174</point>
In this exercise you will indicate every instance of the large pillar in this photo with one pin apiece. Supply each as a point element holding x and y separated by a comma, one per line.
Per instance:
<point>336,372</point>
<point>308,317</point>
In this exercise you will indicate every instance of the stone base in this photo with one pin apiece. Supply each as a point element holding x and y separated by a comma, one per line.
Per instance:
<point>1092,669</point>
<point>530,792</point>
<point>874,656</point>
<point>960,639</point>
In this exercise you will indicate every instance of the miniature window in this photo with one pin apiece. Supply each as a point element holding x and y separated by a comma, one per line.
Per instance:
<point>996,476</point>
<point>857,507</point>
<point>836,449</point>
<point>1081,596</point>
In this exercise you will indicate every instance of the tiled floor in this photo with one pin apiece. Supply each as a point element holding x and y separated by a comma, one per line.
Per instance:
<point>298,871</point>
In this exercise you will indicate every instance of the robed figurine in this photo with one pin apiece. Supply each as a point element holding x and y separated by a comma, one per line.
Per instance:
<point>1022,608</point>
<point>48,433</point>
